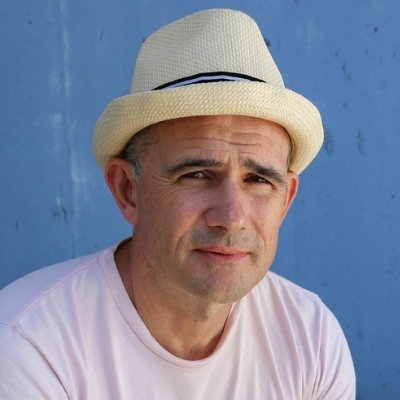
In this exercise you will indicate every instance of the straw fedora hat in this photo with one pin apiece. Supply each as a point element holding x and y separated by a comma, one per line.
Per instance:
<point>213,62</point>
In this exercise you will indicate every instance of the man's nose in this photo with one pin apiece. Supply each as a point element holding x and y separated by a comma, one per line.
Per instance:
<point>228,207</point>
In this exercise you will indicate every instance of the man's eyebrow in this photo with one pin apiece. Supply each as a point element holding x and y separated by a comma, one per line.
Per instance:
<point>264,171</point>
<point>188,163</point>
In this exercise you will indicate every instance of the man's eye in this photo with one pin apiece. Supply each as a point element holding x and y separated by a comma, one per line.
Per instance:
<point>194,175</point>
<point>256,179</point>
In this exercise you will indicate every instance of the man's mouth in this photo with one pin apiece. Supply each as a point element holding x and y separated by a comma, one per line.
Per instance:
<point>221,254</point>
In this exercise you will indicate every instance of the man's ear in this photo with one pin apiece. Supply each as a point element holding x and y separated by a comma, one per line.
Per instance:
<point>292,186</point>
<point>123,185</point>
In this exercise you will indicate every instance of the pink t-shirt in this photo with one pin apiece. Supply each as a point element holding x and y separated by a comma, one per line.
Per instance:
<point>70,331</point>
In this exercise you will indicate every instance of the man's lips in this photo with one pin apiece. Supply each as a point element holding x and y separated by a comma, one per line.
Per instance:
<point>217,253</point>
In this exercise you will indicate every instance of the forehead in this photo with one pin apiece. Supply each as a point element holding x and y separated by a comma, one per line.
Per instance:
<point>216,133</point>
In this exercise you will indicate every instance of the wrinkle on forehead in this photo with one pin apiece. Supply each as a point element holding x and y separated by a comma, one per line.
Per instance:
<point>223,135</point>
<point>225,151</point>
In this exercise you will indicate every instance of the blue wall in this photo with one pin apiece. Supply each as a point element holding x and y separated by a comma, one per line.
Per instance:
<point>63,61</point>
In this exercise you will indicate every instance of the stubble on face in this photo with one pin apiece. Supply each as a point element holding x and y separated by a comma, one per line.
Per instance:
<point>165,233</point>
<point>216,276</point>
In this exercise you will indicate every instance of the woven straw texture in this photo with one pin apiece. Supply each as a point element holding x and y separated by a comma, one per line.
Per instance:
<point>208,41</point>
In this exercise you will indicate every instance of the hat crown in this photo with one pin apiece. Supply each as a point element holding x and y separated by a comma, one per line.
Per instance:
<point>217,40</point>
<point>209,47</point>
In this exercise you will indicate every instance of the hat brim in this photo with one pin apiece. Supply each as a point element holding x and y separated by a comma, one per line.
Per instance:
<point>127,115</point>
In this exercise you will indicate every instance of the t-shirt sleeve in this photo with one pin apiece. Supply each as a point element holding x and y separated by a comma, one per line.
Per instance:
<point>24,371</point>
<point>335,376</point>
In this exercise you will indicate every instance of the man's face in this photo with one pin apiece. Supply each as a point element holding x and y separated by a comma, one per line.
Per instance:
<point>209,203</point>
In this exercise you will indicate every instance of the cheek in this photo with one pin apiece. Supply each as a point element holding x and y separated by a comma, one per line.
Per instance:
<point>267,217</point>
<point>270,207</point>
<point>167,214</point>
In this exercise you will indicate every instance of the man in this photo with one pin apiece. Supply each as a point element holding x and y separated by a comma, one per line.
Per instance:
<point>202,159</point>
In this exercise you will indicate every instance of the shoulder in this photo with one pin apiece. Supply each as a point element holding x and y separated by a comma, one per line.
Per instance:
<point>54,318</point>
<point>297,319</point>
<point>37,287</point>
<point>303,310</point>
<point>18,380</point>
<point>274,289</point>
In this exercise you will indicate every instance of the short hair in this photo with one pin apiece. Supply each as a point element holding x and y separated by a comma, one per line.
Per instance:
<point>136,146</point>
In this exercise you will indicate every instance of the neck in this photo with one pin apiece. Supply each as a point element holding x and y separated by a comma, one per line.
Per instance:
<point>185,326</point>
